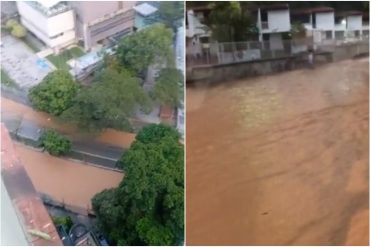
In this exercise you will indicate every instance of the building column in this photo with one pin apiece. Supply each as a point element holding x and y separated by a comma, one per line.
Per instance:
<point>86,37</point>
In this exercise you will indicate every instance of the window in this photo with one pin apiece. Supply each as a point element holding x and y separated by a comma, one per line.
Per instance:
<point>328,34</point>
<point>56,36</point>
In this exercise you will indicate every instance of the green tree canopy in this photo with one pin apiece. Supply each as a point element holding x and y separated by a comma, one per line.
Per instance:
<point>144,48</point>
<point>231,21</point>
<point>55,143</point>
<point>171,13</point>
<point>108,102</point>
<point>168,87</point>
<point>147,208</point>
<point>55,93</point>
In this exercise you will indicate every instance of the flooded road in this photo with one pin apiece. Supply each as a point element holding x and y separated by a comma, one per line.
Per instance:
<point>280,160</point>
<point>64,180</point>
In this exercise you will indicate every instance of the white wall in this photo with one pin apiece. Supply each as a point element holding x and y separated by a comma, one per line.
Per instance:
<point>354,22</point>
<point>45,28</point>
<point>61,23</point>
<point>276,41</point>
<point>194,26</point>
<point>325,21</point>
<point>278,20</point>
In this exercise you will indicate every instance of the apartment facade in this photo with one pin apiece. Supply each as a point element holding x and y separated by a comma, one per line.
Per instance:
<point>96,21</point>
<point>272,23</point>
<point>51,21</point>
<point>197,34</point>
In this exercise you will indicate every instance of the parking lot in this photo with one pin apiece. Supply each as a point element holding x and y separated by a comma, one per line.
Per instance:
<point>21,63</point>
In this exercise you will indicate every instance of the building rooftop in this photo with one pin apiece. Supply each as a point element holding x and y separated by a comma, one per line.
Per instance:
<point>38,228</point>
<point>312,10</point>
<point>275,7</point>
<point>348,13</point>
<point>49,8</point>
<point>145,9</point>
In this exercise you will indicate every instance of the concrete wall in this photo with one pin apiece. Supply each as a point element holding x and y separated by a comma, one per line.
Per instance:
<point>325,21</point>
<point>98,20</point>
<point>278,21</point>
<point>89,11</point>
<point>232,71</point>
<point>354,22</point>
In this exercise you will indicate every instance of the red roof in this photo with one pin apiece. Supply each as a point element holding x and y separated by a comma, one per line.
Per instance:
<point>32,212</point>
<point>312,10</point>
<point>166,112</point>
<point>275,7</point>
<point>348,13</point>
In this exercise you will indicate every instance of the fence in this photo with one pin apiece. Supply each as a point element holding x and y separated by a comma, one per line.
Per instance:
<point>233,52</point>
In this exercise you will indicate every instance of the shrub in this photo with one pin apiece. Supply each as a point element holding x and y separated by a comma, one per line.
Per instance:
<point>18,31</point>
<point>55,143</point>
<point>10,24</point>
<point>65,221</point>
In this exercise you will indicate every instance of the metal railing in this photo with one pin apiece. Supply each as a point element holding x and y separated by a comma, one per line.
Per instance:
<point>233,52</point>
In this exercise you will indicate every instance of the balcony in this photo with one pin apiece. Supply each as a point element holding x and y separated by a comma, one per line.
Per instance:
<point>264,25</point>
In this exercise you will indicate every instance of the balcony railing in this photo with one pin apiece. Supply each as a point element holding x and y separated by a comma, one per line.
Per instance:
<point>49,12</point>
<point>265,25</point>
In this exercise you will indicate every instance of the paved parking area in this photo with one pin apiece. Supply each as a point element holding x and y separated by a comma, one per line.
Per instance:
<point>22,64</point>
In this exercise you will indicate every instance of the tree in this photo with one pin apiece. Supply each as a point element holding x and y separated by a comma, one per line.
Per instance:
<point>55,143</point>
<point>168,87</point>
<point>18,31</point>
<point>108,102</point>
<point>170,13</point>
<point>55,93</point>
<point>147,208</point>
<point>231,21</point>
<point>144,48</point>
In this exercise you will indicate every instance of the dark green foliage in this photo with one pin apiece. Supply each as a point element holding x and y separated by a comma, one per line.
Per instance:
<point>149,46</point>
<point>109,102</point>
<point>55,143</point>
<point>147,208</point>
<point>55,93</point>
<point>171,13</point>
<point>231,21</point>
<point>168,87</point>
<point>65,221</point>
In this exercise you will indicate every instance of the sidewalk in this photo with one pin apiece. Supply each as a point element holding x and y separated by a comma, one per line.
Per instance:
<point>109,136</point>
<point>84,150</point>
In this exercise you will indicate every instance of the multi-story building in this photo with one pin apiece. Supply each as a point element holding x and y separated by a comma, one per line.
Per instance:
<point>197,34</point>
<point>272,22</point>
<point>51,21</point>
<point>97,21</point>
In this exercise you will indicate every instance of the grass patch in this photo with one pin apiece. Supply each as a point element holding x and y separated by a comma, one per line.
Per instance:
<point>60,60</point>
<point>6,80</point>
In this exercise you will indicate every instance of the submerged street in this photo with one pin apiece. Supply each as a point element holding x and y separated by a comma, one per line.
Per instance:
<point>280,159</point>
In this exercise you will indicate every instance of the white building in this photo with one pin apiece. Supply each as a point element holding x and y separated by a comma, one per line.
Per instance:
<point>197,34</point>
<point>349,25</point>
<point>51,21</point>
<point>272,22</point>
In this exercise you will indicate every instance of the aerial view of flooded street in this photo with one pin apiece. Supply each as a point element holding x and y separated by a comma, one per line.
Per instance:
<point>280,159</point>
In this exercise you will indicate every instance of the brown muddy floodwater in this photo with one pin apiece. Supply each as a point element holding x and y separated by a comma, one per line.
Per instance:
<point>280,160</point>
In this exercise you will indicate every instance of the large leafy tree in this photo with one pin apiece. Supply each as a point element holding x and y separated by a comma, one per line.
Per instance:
<point>171,13</point>
<point>231,21</point>
<point>168,87</point>
<point>147,47</point>
<point>147,208</point>
<point>109,102</point>
<point>55,93</point>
